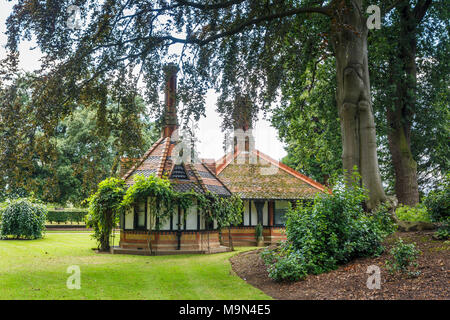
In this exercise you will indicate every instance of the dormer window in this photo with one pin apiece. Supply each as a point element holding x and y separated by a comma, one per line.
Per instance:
<point>178,172</point>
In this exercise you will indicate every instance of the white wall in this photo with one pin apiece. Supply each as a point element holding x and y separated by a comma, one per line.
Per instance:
<point>254,215</point>
<point>266,214</point>
<point>191,218</point>
<point>165,225</point>
<point>202,221</point>
<point>246,217</point>
<point>129,219</point>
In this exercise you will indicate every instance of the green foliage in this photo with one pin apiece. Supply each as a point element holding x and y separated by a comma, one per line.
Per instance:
<point>332,230</point>
<point>418,97</point>
<point>443,232</point>
<point>283,265</point>
<point>310,130</point>
<point>226,211</point>
<point>161,195</point>
<point>417,213</point>
<point>438,201</point>
<point>64,162</point>
<point>403,259</point>
<point>104,210</point>
<point>64,216</point>
<point>383,219</point>
<point>22,219</point>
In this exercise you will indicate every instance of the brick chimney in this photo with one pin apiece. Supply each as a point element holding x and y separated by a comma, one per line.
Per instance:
<point>243,124</point>
<point>170,112</point>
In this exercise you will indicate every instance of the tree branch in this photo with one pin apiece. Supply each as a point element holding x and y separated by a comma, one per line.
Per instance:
<point>421,9</point>
<point>216,6</point>
<point>322,10</point>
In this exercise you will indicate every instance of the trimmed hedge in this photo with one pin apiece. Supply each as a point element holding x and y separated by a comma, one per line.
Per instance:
<point>65,216</point>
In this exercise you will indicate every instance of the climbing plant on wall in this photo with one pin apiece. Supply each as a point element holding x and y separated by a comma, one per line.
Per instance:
<point>159,194</point>
<point>112,199</point>
<point>104,210</point>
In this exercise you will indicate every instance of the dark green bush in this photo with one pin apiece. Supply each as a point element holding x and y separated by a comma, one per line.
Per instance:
<point>23,219</point>
<point>283,264</point>
<point>65,216</point>
<point>438,201</point>
<point>443,233</point>
<point>332,230</point>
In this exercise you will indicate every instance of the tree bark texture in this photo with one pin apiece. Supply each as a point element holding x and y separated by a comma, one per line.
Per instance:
<point>404,77</point>
<point>353,99</point>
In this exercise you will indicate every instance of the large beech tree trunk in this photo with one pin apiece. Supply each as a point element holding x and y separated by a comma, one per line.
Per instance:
<point>353,99</point>
<point>404,77</point>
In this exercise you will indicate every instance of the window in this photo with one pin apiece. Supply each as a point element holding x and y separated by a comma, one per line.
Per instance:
<point>280,216</point>
<point>140,216</point>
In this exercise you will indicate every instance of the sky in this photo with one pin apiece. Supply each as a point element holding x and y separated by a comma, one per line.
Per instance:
<point>210,137</point>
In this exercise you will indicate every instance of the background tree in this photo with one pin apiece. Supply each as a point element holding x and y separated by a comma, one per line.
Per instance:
<point>307,119</point>
<point>84,148</point>
<point>304,119</point>
<point>410,75</point>
<point>231,45</point>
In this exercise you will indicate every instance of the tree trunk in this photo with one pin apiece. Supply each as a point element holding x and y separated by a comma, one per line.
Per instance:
<point>404,77</point>
<point>406,186</point>
<point>104,239</point>
<point>353,99</point>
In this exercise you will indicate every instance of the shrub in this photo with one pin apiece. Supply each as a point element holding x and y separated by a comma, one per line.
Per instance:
<point>404,258</point>
<point>23,219</point>
<point>287,268</point>
<point>443,233</point>
<point>417,213</point>
<point>64,216</point>
<point>332,230</point>
<point>438,201</point>
<point>383,219</point>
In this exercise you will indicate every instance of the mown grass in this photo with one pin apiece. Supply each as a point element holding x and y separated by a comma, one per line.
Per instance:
<point>37,269</point>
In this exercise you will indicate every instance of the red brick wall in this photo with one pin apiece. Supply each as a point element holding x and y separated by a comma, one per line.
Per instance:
<point>245,236</point>
<point>168,240</point>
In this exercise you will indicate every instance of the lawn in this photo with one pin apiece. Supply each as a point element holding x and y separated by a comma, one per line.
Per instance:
<point>37,270</point>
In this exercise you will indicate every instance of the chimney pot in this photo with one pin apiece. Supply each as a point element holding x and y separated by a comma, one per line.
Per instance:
<point>170,117</point>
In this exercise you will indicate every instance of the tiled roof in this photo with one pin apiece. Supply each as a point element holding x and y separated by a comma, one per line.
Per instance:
<point>255,175</point>
<point>184,177</point>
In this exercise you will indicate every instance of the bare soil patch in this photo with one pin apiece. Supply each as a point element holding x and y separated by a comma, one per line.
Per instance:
<point>348,282</point>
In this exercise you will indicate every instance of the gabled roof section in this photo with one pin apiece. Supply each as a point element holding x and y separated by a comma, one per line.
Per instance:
<point>255,175</point>
<point>184,177</point>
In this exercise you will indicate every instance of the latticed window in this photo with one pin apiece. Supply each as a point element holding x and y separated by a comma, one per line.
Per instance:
<point>140,215</point>
<point>279,215</point>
